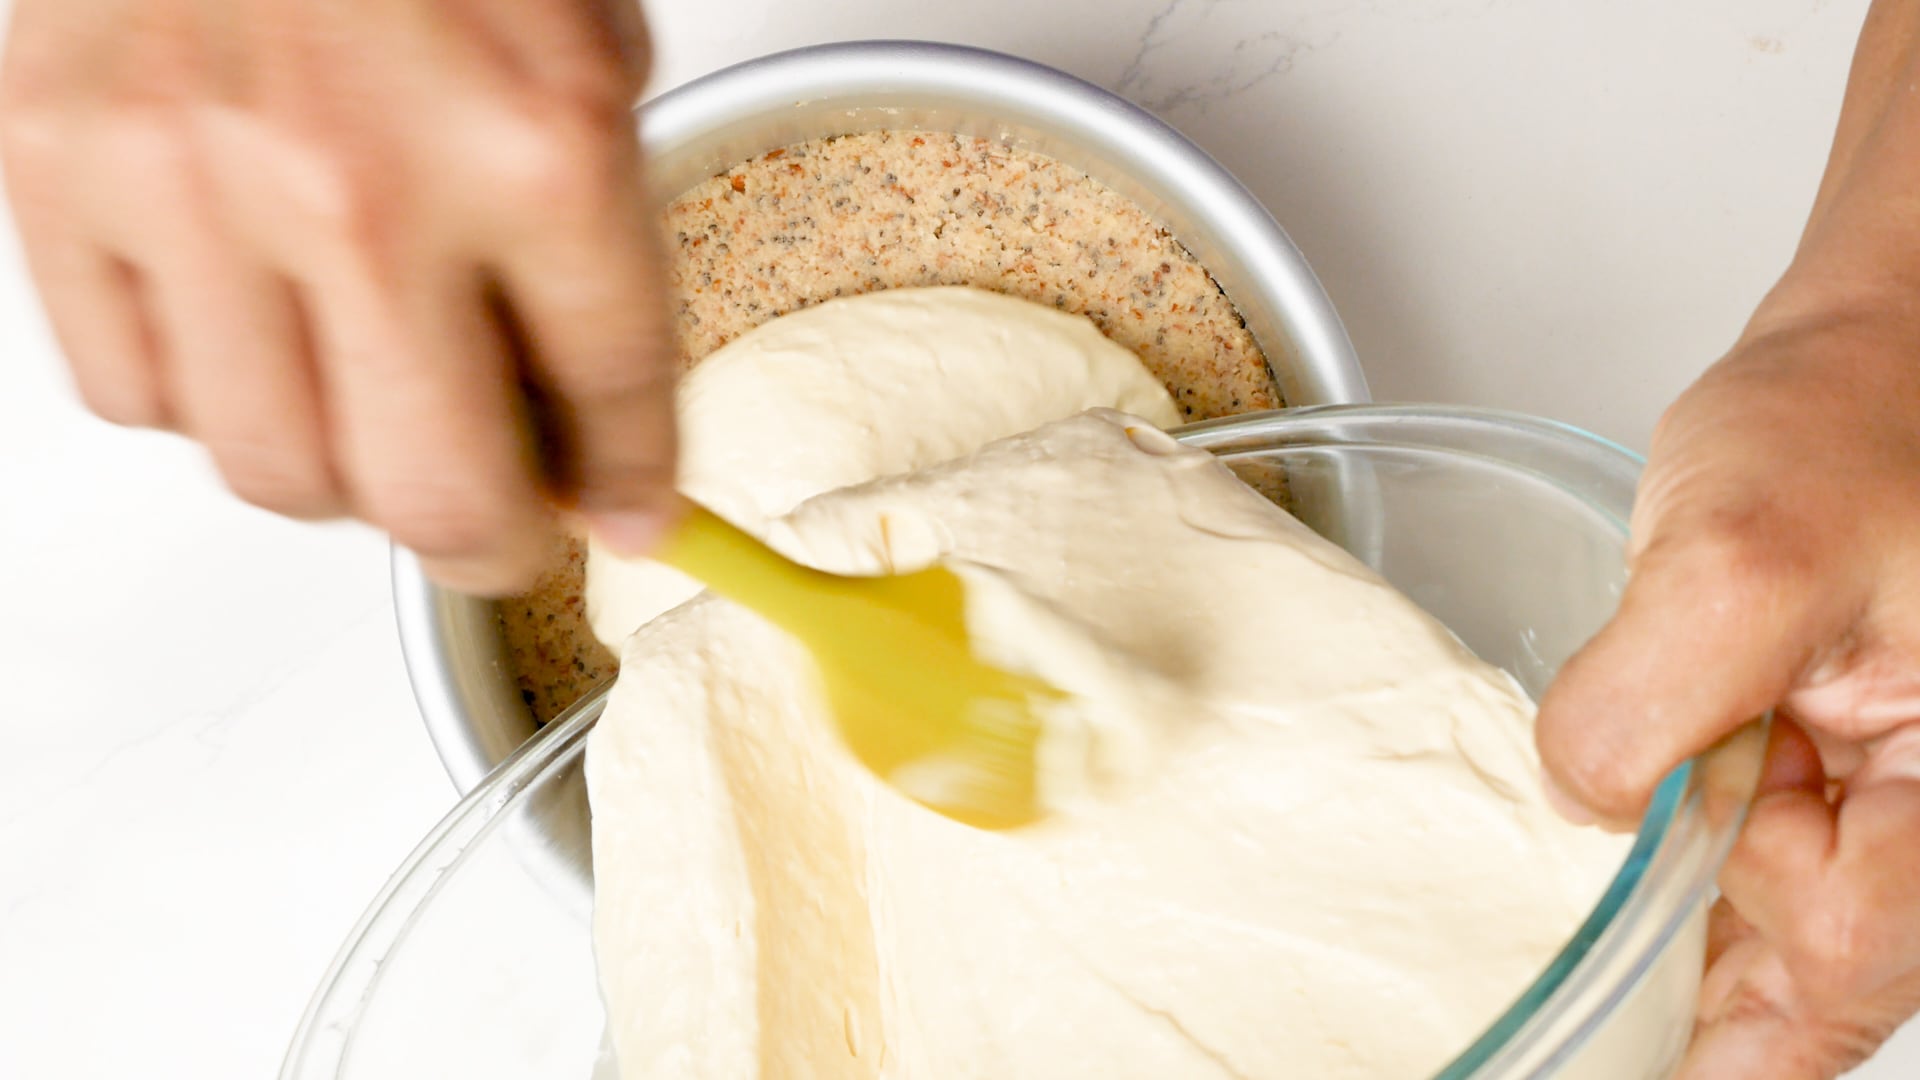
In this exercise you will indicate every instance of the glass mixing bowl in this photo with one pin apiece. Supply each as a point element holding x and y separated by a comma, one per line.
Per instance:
<point>476,959</point>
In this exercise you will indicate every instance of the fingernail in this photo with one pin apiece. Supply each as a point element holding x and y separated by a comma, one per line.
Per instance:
<point>1566,805</point>
<point>628,532</point>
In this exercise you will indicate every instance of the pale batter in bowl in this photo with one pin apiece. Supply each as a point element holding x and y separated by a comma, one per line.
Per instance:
<point>1336,862</point>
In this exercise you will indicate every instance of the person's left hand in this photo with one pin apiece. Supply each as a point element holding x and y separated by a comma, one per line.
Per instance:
<point>1776,562</point>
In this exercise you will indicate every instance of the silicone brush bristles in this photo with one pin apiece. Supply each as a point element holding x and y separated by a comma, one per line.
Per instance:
<point>977,766</point>
<point>911,698</point>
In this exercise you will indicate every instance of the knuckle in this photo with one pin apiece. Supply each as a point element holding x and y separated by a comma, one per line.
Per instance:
<point>35,69</point>
<point>1842,1043</point>
<point>596,97</point>
<point>155,142</point>
<point>1751,561</point>
<point>567,154</point>
<point>29,133</point>
<point>346,191</point>
<point>561,177</point>
<point>336,194</point>
<point>1832,945</point>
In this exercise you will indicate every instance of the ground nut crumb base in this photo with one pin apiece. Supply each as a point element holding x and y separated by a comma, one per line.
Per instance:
<point>892,209</point>
<point>552,653</point>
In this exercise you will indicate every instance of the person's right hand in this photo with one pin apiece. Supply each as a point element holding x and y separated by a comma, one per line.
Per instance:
<point>390,258</point>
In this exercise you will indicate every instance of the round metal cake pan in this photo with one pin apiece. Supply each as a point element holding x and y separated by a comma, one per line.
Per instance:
<point>452,642</point>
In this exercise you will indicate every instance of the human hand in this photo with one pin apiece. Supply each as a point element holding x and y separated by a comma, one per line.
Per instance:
<point>1776,562</point>
<point>393,258</point>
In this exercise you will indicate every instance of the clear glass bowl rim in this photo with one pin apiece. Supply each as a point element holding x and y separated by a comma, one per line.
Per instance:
<point>1579,462</point>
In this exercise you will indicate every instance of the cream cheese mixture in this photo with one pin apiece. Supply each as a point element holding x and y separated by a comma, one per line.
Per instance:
<point>1341,865</point>
<point>862,387</point>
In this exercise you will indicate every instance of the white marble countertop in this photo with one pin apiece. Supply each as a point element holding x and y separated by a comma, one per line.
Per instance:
<point>210,759</point>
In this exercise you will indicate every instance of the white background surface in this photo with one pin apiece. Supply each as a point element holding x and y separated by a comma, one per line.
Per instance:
<point>209,759</point>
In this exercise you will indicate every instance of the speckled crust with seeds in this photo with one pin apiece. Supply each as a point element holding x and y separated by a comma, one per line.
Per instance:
<point>891,209</point>
<point>554,657</point>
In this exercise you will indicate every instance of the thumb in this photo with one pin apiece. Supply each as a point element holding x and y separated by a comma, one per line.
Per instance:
<point>1720,618</point>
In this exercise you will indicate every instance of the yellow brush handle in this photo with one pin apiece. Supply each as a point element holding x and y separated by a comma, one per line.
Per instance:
<point>820,608</point>
<point>738,566</point>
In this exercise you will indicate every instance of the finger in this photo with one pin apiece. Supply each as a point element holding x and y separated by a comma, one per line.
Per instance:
<point>100,308</point>
<point>87,185</point>
<point>1788,832</point>
<point>1870,689</point>
<point>586,296</point>
<point>242,371</point>
<point>249,390</point>
<point>92,298</point>
<point>1792,767</point>
<point>1716,623</point>
<point>1789,812</point>
<point>587,48</point>
<point>635,42</point>
<point>420,405</point>
<point>1733,945</point>
<point>1725,929</point>
<point>1765,1031</point>
<point>1753,1038</point>
<point>94,303</point>
<point>1826,887</point>
<point>239,372</point>
<point>423,416</point>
